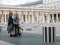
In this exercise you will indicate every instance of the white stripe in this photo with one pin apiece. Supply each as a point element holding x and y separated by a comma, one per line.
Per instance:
<point>51,34</point>
<point>47,34</point>
<point>44,33</point>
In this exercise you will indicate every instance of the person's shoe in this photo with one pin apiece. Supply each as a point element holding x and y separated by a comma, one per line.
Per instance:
<point>10,35</point>
<point>14,35</point>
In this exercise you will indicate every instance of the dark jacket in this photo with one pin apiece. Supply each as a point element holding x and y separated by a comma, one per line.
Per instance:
<point>10,20</point>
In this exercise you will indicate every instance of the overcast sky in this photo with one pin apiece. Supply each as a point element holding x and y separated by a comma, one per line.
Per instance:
<point>15,2</point>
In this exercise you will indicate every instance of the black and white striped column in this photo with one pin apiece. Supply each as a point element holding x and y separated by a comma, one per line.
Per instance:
<point>49,34</point>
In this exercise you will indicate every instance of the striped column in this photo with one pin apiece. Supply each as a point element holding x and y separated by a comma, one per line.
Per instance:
<point>49,34</point>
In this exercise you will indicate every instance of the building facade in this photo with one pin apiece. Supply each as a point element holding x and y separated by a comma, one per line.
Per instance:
<point>49,12</point>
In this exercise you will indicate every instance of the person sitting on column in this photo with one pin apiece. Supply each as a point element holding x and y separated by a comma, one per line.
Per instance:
<point>16,25</point>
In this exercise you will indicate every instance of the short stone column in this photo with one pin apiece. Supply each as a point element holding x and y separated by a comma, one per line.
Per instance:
<point>49,34</point>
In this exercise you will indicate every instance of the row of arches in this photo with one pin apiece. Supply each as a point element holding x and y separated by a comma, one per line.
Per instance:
<point>32,17</point>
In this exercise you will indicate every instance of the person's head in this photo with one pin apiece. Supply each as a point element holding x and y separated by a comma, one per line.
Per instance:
<point>10,13</point>
<point>16,15</point>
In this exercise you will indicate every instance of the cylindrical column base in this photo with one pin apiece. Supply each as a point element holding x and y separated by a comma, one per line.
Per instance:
<point>49,34</point>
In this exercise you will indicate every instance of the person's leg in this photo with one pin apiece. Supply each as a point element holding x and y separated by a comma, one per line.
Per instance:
<point>12,34</point>
<point>18,31</point>
<point>11,31</point>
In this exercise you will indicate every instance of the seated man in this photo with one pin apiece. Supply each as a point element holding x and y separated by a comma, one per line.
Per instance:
<point>16,25</point>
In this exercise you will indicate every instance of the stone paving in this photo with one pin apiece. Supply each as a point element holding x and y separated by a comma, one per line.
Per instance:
<point>25,39</point>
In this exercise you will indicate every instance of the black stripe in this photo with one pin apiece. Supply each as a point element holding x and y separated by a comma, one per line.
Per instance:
<point>49,34</point>
<point>45,34</point>
<point>53,34</point>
